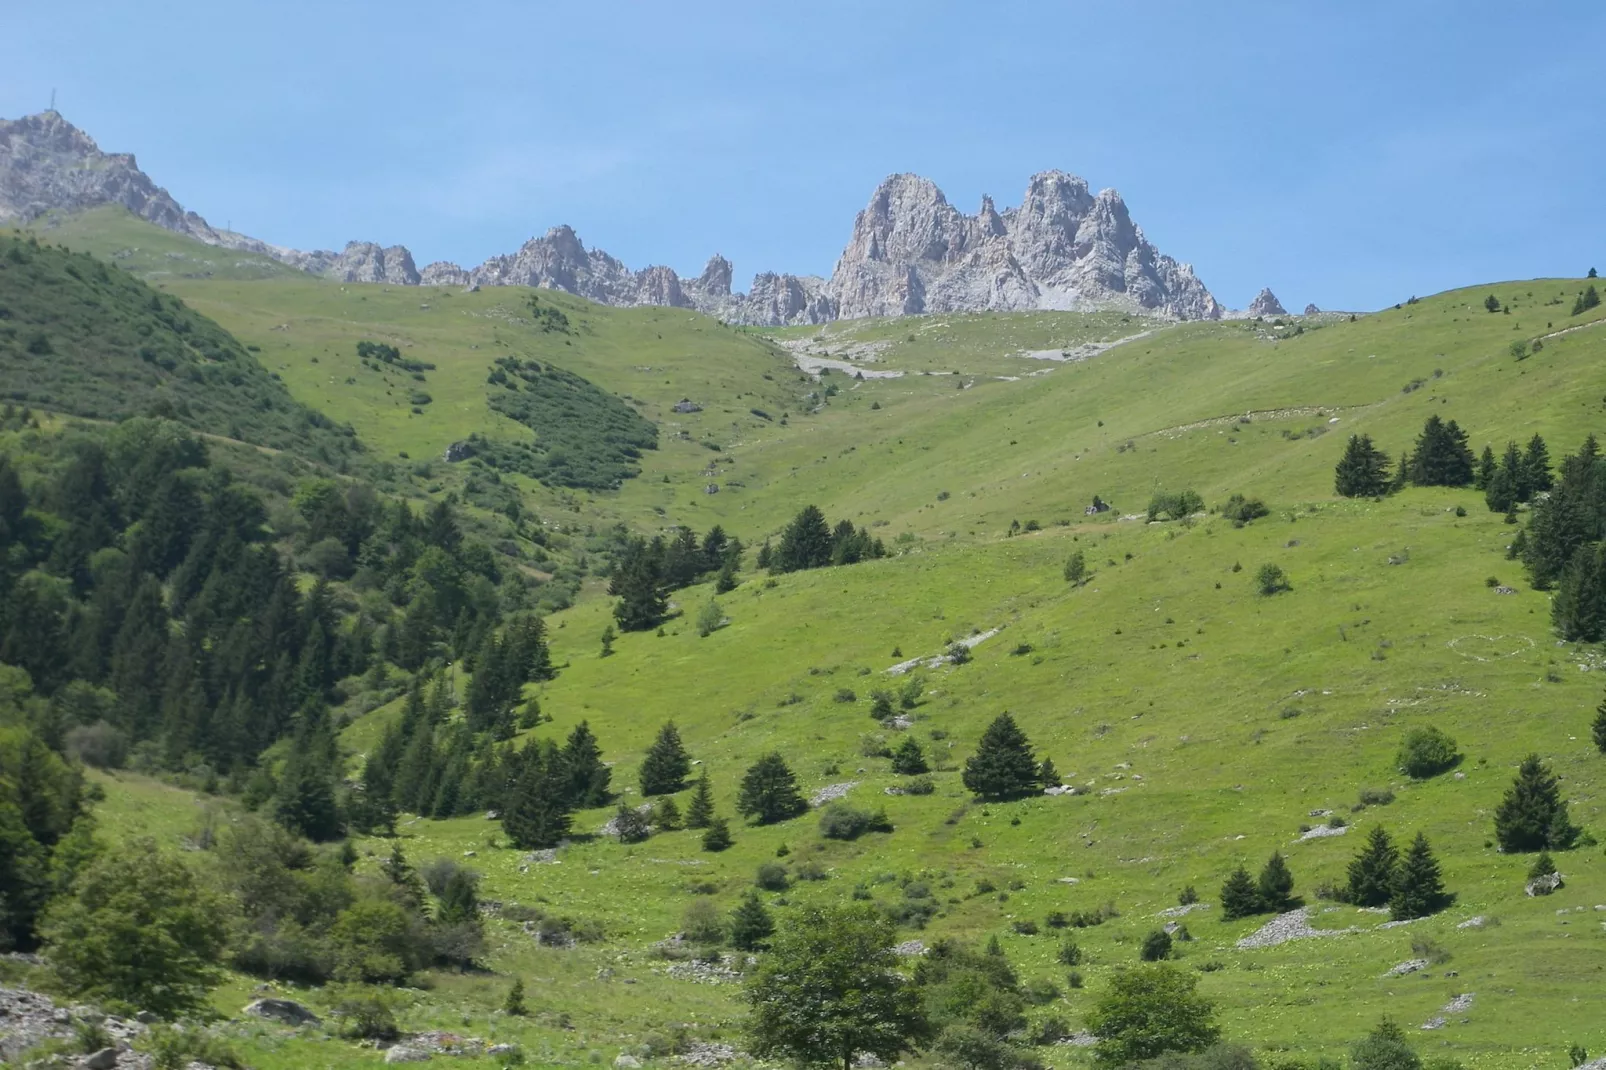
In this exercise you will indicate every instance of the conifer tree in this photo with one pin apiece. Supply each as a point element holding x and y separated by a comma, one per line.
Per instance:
<point>717,837</point>
<point>1533,816</point>
<point>1418,888</point>
<point>1442,457</point>
<point>403,877</point>
<point>665,814</point>
<point>583,769</point>
<point>305,802</point>
<point>1047,775</point>
<point>1597,729</point>
<point>1003,766</point>
<point>537,815</point>
<point>700,811</point>
<point>639,588</point>
<point>460,899</point>
<point>664,770</point>
<point>1579,608</point>
<point>908,759</point>
<point>1372,871</point>
<point>1535,469</point>
<point>1487,467</point>
<point>726,579</point>
<point>1570,517</point>
<point>1239,896</point>
<point>1276,885</point>
<point>513,1005</point>
<point>629,825</point>
<point>806,543</point>
<point>1363,471</point>
<point>751,925</point>
<point>769,791</point>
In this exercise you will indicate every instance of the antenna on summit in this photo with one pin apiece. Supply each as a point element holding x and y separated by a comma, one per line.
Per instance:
<point>52,99</point>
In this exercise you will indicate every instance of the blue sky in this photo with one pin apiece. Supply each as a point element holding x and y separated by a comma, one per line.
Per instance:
<point>1349,154</point>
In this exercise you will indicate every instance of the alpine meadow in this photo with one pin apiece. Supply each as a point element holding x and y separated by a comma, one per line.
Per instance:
<point>990,656</point>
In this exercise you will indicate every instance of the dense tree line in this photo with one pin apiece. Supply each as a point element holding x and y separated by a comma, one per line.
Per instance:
<point>810,542</point>
<point>645,571</point>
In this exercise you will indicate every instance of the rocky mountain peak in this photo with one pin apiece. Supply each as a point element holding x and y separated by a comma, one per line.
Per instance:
<point>1265,304</point>
<point>715,281</point>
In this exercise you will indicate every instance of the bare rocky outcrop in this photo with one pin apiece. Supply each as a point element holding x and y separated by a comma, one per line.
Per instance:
<point>1265,304</point>
<point>910,252</point>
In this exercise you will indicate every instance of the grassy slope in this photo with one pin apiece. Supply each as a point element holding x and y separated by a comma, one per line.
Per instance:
<point>1361,649</point>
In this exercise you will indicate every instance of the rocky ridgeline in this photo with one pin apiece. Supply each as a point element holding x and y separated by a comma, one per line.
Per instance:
<point>911,251</point>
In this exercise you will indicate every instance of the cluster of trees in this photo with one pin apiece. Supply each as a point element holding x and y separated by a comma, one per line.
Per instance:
<point>810,542</point>
<point>1004,766</point>
<point>1440,458</point>
<point>1411,887</point>
<point>1587,300</point>
<point>1175,505</point>
<point>1562,545</point>
<point>584,436</point>
<point>1272,893</point>
<point>645,571</point>
<point>1516,477</point>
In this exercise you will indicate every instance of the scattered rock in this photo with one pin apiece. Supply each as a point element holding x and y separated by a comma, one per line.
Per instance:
<point>287,1011</point>
<point>1477,921</point>
<point>687,405</point>
<point>832,792</point>
<point>104,1059</point>
<point>403,1054</point>
<point>909,947</point>
<point>1322,832</point>
<point>1408,966</point>
<point>1294,925</point>
<point>1083,1039</point>
<point>705,1053</point>
<point>1177,912</point>
<point>626,1062</point>
<point>1544,885</point>
<point>1460,1004</point>
<point>1434,1023</point>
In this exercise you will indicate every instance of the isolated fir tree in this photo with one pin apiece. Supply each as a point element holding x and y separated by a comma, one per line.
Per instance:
<point>806,542</point>
<point>1076,569</point>
<point>769,792</point>
<point>1533,815</point>
<point>664,770</point>
<point>1597,729</point>
<point>665,814</point>
<point>725,579</point>
<point>1003,766</point>
<point>1385,1048</point>
<point>1276,885</point>
<point>1047,775</point>
<point>642,604</point>
<point>1418,888</point>
<point>908,759</point>
<point>513,1005</point>
<point>608,636</point>
<point>537,814</point>
<point>1239,896</point>
<point>751,925</point>
<point>586,776</point>
<point>1363,471</point>
<point>1442,457</point>
<point>1487,467</point>
<point>700,811</point>
<point>1372,871</point>
<point>717,836</point>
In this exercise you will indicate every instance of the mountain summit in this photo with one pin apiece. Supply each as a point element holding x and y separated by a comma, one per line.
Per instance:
<point>910,252</point>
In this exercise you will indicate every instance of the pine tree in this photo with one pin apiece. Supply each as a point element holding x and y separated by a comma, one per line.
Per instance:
<point>751,925</point>
<point>1418,889</point>
<point>639,587</point>
<point>909,759</point>
<point>1372,872</point>
<point>1579,608</point>
<point>305,802</point>
<point>664,770</point>
<point>629,825</point>
<point>608,636</point>
<point>1047,775</point>
<point>717,837</point>
<point>769,792</point>
<point>700,811</point>
<point>1363,471</point>
<point>537,815</point>
<point>1536,475</point>
<point>460,900</point>
<point>665,814</point>
<point>1239,896</point>
<point>584,772</point>
<point>1487,466</point>
<point>1442,457</point>
<point>726,579</point>
<point>405,879</point>
<point>1276,885</point>
<point>1533,815</point>
<point>1003,766</point>
<point>513,1005</point>
<point>1598,727</point>
<point>806,542</point>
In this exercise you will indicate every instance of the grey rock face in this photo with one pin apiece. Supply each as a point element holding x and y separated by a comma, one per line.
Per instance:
<point>1062,248</point>
<point>287,1011</point>
<point>1312,310</point>
<point>910,251</point>
<point>1265,304</point>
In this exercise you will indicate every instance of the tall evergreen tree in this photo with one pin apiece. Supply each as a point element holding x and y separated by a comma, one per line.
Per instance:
<point>664,770</point>
<point>1597,728</point>
<point>1442,457</point>
<point>1418,888</point>
<point>908,759</point>
<point>751,925</point>
<point>806,542</point>
<point>537,814</point>
<point>1573,514</point>
<point>1363,471</point>
<point>1003,766</point>
<point>639,587</point>
<point>585,774</point>
<point>700,811</point>
<point>1239,896</point>
<point>1487,467</point>
<point>1533,816</point>
<point>683,560</point>
<point>1535,469</point>
<point>1276,885</point>
<point>306,803</point>
<point>769,791</point>
<point>1372,871</point>
<point>1579,608</point>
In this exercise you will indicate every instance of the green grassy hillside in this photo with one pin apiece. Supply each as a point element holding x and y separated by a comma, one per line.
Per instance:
<point>1203,723</point>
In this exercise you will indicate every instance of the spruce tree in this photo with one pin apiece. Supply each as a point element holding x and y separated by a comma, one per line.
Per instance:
<point>1047,775</point>
<point>1363,470</point>
<point>513,1005</point>
<point>805,544</point>
<point>460,900</point>
<point>1372,871</point>
<point>630,825</point>
<point>404,878</point>
<point>305,802</point>
<point>1239,896</point>
<point>664,770</point>
<point>1487,467</point>
<point>642,604</point>
<point>537,815</point>
<point>1276,885</point>
<point>1533,815</point>
<point>585,774</point>
<point>769,791</point>
<point>1598,727</point>
<point>1442,457</point>
<point>726,579</point>
<point>908,759</point>
<point>665,814</point>
<point>751,925</point>
<point>700,811</point>
<point>717,837</point>
<point>1536,475</point>
<point>1579,608</point>
<point>1003,766</point>
<point>1418,889</point>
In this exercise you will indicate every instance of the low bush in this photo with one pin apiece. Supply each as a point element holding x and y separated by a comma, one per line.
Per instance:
<point>843,822</point>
